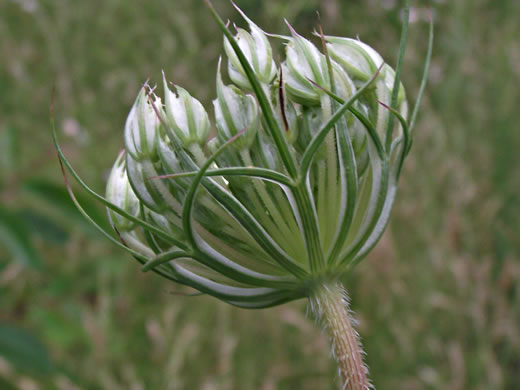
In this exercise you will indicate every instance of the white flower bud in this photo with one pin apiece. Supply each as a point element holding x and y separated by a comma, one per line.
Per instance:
<point>258,52</point>
<point>141,128</point>
<point>186,115</point>
<point>304,63</point>
<point>360,62</point>
<point>235,112</point>
<point>120,193</point>
<point>358,59</point>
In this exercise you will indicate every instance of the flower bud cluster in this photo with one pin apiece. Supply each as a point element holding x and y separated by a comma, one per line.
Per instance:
<point>287,191</point>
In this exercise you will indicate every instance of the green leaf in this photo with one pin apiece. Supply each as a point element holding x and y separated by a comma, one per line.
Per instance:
<point>43,226</point>
<point>24,351</point>
<point>15,238</point>
<point>56,196</point>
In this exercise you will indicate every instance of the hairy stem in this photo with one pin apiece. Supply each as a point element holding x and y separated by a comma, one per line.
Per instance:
<point>330,306</point>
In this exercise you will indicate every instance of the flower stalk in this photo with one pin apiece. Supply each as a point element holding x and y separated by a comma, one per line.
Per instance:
<point>330,306</point>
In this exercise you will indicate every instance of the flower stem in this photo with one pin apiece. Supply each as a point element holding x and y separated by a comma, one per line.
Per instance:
<point>330,306</point>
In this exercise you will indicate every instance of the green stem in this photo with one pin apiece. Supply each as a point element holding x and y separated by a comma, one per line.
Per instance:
<point>330,305</point>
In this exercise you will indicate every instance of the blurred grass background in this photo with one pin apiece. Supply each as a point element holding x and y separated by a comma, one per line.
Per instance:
<point>438,300</point>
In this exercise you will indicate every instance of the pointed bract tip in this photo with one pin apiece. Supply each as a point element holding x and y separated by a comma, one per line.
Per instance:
<point>145,84</point>
<point>379,69</point>
<point>322,38</point>
<point>291,29</point>
<point>243,14</point>
<point>219,72</point>
<point>316,84</point>
<point>384,105</point>
<point>235,137</point>
<point>165,82</point>
<point>156,110</point>
<point>392,110</point>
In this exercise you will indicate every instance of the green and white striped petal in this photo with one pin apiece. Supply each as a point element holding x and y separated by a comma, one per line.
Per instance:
<point>235,112</point>
<point>187,116</point>
<point>142,128</point>
<point>358,59</point>
<point>120,193</point>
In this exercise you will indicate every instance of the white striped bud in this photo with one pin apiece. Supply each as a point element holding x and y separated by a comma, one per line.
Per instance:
<point>235,112</point>
<point>304,64</point>
<point>258,52</point>
<point>120,193</point>
<point>186,115</point>
<point>358,59</point>
<point>142,127</point>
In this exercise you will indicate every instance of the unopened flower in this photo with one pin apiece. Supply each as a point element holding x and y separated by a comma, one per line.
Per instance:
<point>258,52</point>
<point>359,60</point>
<point>187,116</point>
<point>141,128</point>
<point>120,193</point>
<point>235,111</point>
<point>304,65</point>
<point>292,192</point>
